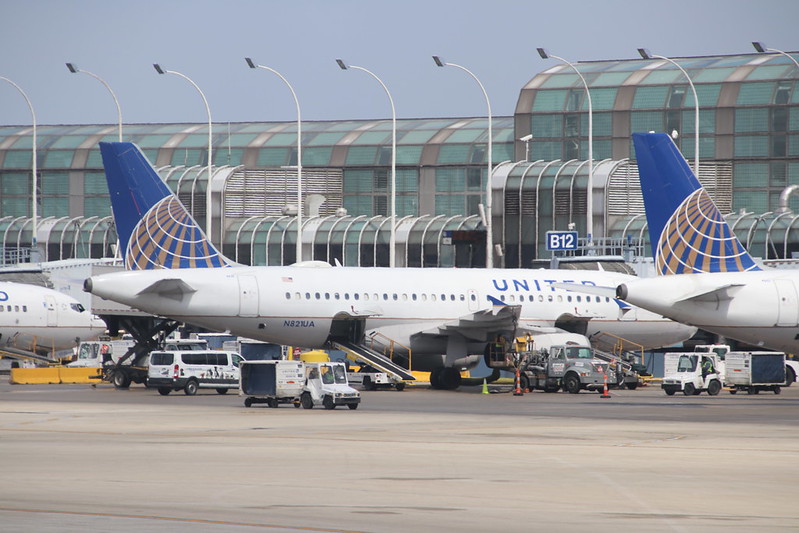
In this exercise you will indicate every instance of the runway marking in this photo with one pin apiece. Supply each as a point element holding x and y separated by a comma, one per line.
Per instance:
<point>184,520</point>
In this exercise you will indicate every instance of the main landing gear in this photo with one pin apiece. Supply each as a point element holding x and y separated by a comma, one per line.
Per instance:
<point>445,378</point>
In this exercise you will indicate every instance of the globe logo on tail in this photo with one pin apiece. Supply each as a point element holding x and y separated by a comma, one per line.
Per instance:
<point>698,239</point>
<point>168,237</point>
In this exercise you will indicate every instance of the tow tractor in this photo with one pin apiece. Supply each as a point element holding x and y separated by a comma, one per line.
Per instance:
<point>690,373</point>
<point>326,384</point>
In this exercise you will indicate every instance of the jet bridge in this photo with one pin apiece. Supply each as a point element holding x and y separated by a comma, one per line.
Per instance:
<point>373,358</point>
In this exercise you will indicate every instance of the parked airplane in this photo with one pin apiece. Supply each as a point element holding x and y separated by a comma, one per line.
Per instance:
<point>719,287</point>
<point>38,319</point>
<point>444,315</point>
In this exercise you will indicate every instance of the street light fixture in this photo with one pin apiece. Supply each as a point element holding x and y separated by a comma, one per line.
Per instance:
<point>393,238</point>
<point>439,61</point>
<point>161,70</point>
<point>253,65</point>
<point>646,54</point>
<point>34,185</point>
<point>760,47</point>
<point>589,209</point>
<point>73,68</point>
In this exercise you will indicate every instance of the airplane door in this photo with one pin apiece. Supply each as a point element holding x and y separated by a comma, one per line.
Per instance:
<point>248,296</point>
<point>474,300</point>
<point>52,311</point>
<point>788,307</point>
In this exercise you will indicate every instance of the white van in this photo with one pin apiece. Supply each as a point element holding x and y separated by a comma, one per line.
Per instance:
<point>192,369</point>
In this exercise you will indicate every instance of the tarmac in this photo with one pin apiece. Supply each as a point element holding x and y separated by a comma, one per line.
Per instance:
<point>76,457</point>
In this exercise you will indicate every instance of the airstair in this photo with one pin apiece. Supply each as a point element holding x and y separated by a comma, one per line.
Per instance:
<point>373,358</point>
<point>626,354</point>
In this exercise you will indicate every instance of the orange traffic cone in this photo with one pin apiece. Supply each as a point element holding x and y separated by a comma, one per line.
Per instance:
<point>518,390</point>
<point>605,389</point>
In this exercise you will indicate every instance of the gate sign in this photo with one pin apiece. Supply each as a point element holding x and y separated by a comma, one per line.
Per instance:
<point>561,240</point>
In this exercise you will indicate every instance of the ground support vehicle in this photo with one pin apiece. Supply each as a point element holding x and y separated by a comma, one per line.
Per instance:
<point>190,370</point>
<point>692,373</point>
<point>99,353</point>
<point>272,382</point>
<point>326,384</point>
<point>791,366</point>
<point>372,379</point>
<point>571,367</point>
<point>755,371</point>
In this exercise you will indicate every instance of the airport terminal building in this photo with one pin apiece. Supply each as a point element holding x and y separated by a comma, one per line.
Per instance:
<point>748,151</point>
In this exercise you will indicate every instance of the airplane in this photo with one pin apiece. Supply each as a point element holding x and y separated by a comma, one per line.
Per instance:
<point>446,316</point>
<point>707,278</point>
<point>41,320</point>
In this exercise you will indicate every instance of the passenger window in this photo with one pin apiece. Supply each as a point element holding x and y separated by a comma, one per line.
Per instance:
<point>288,296</point>
<point>318,296</point>
<point>307,295</point>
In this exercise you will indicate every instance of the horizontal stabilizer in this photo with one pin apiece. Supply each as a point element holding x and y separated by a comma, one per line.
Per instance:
<point>172,288</point>
<point>715,294</point>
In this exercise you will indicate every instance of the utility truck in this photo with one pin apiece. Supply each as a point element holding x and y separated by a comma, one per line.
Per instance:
<point>99,353</point>
<point>306,384</point>
<point>692,373</point>
<point>791,366</point>
<point>552,361</point>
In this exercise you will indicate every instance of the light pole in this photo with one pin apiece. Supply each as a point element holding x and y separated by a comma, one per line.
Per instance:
<point>647,55</point>
<point>34,186</point>
<point>160,70</point>
<point>589,207</point>
<point>760,47</point>
<point>489,200</point>
<point>393,237</point>
<point>73,68</point>
<point>252,64</point>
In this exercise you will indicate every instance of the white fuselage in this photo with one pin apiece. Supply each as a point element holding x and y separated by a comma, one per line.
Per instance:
<point>297,306</point>
<point>34,318</point>
<point>760,308</point>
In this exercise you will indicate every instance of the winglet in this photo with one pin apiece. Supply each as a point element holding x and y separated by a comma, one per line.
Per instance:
<point>686,229</point>
<point>154,228</point>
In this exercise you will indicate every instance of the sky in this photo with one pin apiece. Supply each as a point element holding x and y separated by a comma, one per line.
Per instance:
<point>208,40</point>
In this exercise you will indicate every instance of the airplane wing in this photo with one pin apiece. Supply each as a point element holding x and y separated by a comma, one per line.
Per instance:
<point>172,288</point>
<point>481,325</point>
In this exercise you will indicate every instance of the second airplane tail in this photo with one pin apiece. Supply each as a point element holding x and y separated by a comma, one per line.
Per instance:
<point>155,230</point>
<point>687,231</point>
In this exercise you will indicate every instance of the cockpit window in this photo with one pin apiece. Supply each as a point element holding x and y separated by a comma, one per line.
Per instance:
<point>77,308</point>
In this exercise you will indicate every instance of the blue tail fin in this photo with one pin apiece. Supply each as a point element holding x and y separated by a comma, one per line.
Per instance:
<point>687,231</point>
<point>154,229</point>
